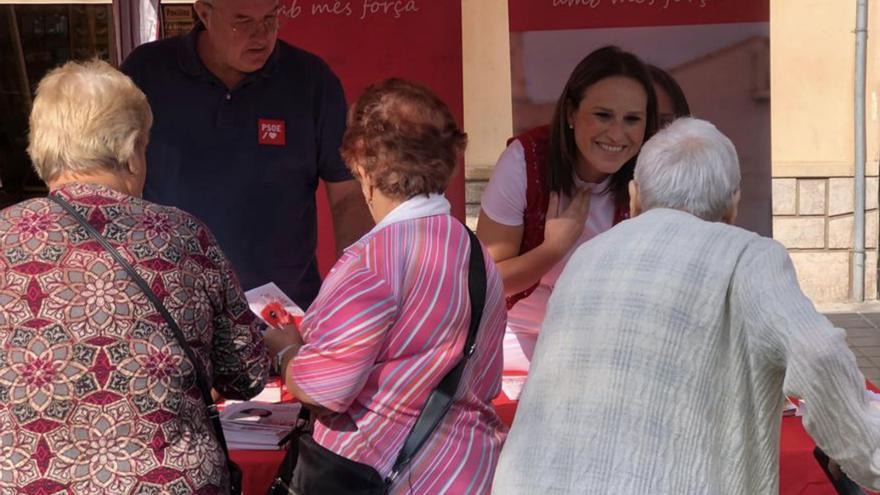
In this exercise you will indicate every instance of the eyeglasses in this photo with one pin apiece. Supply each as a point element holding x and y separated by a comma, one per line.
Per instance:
<point>250,27</point>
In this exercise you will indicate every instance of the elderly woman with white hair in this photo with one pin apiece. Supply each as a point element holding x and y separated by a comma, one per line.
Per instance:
<point>97,395</point>
<point>669,342</point>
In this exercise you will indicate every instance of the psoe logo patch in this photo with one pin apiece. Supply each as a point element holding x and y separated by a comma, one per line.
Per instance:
<point>271,132</point>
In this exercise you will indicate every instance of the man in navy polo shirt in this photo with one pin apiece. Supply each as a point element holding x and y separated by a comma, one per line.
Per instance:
<point>244,126</point>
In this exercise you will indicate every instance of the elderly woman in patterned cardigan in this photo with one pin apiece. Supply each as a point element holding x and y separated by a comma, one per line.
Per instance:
<point>96,395</point>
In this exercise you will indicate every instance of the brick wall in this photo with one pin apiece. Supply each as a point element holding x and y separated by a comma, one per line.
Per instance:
<point>813,218</point>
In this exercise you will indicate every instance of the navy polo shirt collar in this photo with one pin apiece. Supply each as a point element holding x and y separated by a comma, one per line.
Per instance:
<point>191,63</point>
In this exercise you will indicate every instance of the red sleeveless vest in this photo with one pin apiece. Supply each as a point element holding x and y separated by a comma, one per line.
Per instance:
<point>536,144</point>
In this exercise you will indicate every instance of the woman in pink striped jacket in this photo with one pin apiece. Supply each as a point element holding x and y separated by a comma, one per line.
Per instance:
<point>393,314</point>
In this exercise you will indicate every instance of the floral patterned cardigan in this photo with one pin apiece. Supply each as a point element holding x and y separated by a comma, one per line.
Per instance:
<point>96,396</point>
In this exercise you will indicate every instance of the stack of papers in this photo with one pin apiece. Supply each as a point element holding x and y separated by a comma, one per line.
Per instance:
<point>254,425</point>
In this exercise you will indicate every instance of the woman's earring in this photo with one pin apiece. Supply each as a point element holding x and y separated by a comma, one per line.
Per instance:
<point>570,125</point>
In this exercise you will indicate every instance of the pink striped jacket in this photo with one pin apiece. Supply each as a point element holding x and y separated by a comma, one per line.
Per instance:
<point>389,322</point>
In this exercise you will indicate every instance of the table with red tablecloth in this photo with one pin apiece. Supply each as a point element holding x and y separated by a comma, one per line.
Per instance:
<point>799,473</point>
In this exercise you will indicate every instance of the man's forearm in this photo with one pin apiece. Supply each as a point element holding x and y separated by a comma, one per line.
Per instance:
<point>351,220</point>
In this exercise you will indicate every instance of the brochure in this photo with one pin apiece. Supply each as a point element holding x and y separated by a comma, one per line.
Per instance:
<point>273,306</point>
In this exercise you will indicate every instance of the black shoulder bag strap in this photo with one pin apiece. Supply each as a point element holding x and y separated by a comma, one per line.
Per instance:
<point>201,380</point>
<point>441,398</point>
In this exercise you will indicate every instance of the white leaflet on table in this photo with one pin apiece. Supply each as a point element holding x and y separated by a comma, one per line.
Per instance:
<point>512,385</point>
<point>273,306</point>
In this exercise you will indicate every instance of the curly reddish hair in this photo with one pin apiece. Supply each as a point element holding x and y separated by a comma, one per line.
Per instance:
<point>404,137</point>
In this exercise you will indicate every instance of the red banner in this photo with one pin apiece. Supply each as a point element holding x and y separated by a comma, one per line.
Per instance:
<point>541,15</point>
<point>366,41</point>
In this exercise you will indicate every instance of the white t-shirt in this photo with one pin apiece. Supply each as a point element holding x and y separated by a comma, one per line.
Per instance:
<point>504,201</point>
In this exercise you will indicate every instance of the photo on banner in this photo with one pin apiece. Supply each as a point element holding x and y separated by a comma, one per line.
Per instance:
<point>718,51</point>
<point>366,41</point>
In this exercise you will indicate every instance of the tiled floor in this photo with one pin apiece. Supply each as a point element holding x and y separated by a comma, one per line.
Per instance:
<point>863,336</point>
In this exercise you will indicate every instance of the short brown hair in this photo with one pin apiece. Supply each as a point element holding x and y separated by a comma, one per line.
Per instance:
<point>404,137</point>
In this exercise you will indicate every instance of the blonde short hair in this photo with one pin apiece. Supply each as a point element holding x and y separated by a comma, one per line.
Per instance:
<point>87,116</point>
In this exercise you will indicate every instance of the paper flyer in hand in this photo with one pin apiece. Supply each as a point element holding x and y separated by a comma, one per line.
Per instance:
<point>273,306</point>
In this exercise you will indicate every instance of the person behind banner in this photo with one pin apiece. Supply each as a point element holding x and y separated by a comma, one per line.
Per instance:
<point>93,382</point>
<point>246,125</point>
<point>392,316</point>
<point>671,101</point>
<point>557,186</point>
<point>670,342</point>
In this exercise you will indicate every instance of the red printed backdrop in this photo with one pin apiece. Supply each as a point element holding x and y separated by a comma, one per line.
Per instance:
<point>539,15</point>
<point>365,41</point>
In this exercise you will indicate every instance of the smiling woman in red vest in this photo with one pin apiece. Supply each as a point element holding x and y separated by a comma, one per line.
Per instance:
<point>557,186</point>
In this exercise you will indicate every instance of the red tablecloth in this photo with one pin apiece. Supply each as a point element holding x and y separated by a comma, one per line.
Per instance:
<point>799,473</point>
<point>259,468</point>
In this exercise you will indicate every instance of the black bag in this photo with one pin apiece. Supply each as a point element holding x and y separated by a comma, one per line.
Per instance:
<point>843,485</point>
<point>235,474</point>
<point>310,469</point>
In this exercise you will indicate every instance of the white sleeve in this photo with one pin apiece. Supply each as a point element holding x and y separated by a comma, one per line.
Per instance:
<point>819,366</point>
<point>504,199</point>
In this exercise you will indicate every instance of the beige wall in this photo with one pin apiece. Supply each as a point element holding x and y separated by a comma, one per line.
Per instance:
<point>812,93</point>
<point>812,72</point>
<point>487,102</point>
